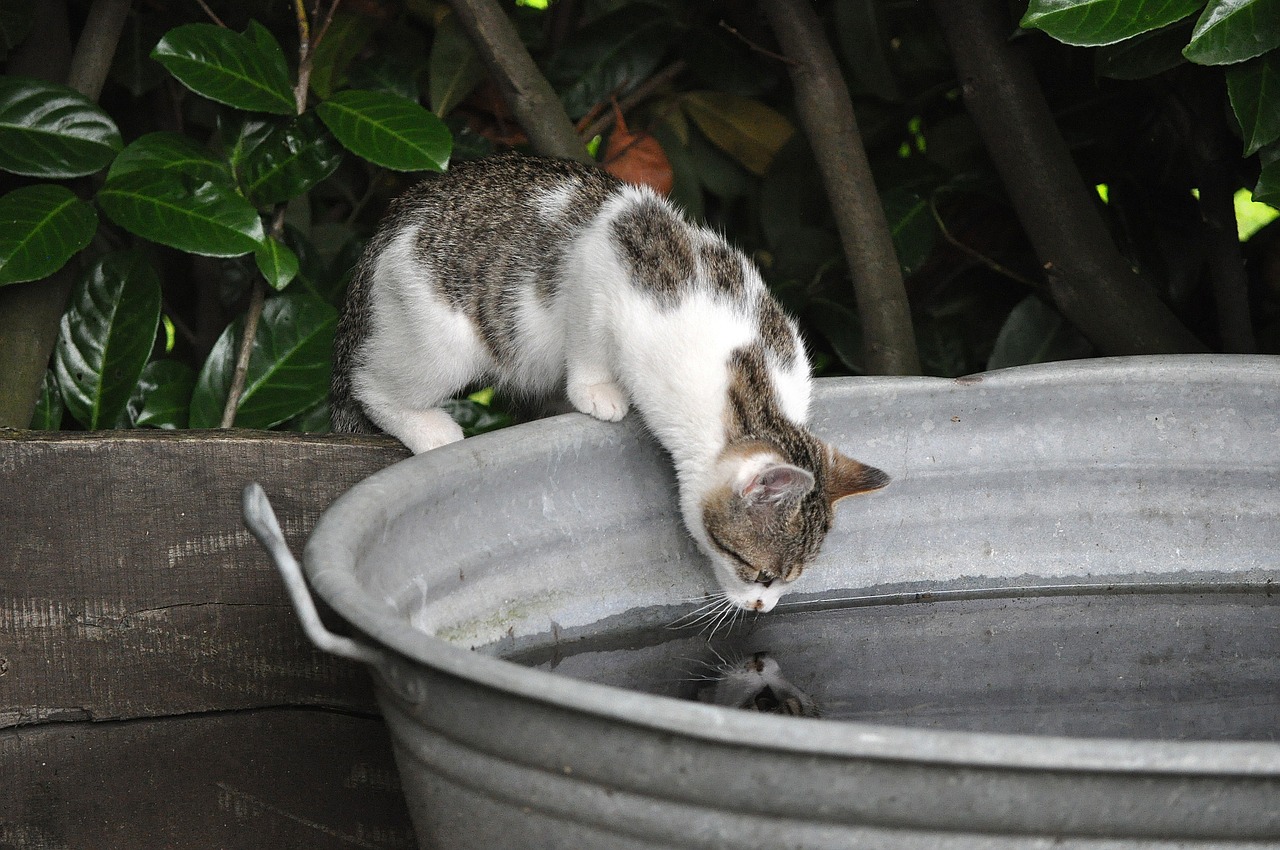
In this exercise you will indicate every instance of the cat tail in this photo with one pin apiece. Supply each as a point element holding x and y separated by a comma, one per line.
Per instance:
<point>346,414</point>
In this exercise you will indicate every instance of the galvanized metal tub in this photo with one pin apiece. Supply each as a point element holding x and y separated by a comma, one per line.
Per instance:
<point>1055,627</point>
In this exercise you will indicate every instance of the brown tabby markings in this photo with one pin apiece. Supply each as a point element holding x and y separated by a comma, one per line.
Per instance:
<point>776,543</point>
<point>656,246</point>
<point>723,268</point>
<point>775,330</point>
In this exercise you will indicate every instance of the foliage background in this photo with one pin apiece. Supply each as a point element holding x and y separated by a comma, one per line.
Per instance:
<point>230,175</point>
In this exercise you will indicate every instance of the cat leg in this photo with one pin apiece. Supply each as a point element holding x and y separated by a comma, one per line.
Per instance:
<point>419,430</point>
<point>590,383</point>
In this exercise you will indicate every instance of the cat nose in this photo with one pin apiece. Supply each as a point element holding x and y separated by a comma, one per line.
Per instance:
<point>764,581</point>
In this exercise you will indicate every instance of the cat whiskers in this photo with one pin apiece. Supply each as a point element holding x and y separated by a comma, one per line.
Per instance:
<point>717,611</point>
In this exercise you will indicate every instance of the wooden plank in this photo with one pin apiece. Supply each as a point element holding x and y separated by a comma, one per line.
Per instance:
<point>236,781</point>
<point>155,688</point>
<point>129,586</point>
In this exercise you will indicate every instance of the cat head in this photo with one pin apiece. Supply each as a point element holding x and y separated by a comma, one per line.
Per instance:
<point>765,516</point>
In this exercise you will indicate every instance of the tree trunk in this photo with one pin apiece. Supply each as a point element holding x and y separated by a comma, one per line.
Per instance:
<point>1089,281</point>
<point>822,100</point>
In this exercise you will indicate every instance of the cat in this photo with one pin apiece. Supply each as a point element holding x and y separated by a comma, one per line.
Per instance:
<point>757,684</point>
<point>545,276</point>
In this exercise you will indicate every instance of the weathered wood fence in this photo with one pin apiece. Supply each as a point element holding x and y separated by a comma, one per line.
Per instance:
<point>155,688</point>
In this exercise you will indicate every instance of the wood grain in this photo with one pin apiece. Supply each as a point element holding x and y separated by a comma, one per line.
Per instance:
<point>135,607</point>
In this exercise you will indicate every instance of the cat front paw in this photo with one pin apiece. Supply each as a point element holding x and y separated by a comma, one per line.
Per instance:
<point>605,401</point>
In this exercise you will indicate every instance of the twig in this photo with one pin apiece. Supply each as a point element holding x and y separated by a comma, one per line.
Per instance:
<point>786,60</point>
<point>209,12</point>
<point>638,95</point>
<point>825,110</point>
<point>256,302</point>
<point>978,255</point>
<point>531,98</point>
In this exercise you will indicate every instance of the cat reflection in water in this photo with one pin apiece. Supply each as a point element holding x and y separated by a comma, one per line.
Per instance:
<point>548,276</point>
<point>756,683</point>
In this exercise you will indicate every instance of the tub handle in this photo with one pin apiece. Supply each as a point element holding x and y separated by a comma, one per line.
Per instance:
<point>261,521</point>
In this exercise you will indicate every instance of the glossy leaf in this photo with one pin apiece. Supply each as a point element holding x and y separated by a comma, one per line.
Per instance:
<point>474,417</point>
<point>41,227</point>
<point>169,152</point>
<point>746,129</point>
<point>609,57</point>
<point>162,397</point>
<point>1254,88</point>
<point>49,408</point>
<point>842,329</point>
<point>455,68</point>
<point>1034,332</point>
<point>1144,55</point>
<point>277,263</point>
<point>865,47</point>
<point>133,68</point>
<point>244,71</point>
<point>1092,23</point>
<point>288,370</point>
<point>346,37</point>
<point>15,25</point>
<point>1267,190</point>
<point>394,73</point>
<point>51,131</point>
<point>288,161</point>
<point>179,211</point>
<point>912,226</point>
<point>388,130</point>
<point>106,337</point>
<point>1230,31</point>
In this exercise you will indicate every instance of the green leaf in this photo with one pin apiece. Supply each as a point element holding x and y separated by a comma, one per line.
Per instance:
<point>474,417</point>
<point>1036,333</point>
<point>912,225</point>
<point>106,337</point>
<point>277,263</point>
<point>169,152</point>
<point>608,57</point>
<point>133,68</point>
<point>1268,189</point>
<point>455,69</point>
<point>394,73</point>
<point>49,407</point>
<point>244,71</point>
<point>865,47</point>
<point>1254,88</point>
<point>162,397</point>
<point>174,209</point>
<point>1144,55</point>
<point>41,227</point>
<point>15,25</point>
<point>1231,31</point>
<point>746,129</point>
<point>842,329</point>
<point>346,37</point>
<point>1092,23</point>
<point>388,130</point>
<point>289,366</point>
<point>288,161</point>
<point>48,130</point>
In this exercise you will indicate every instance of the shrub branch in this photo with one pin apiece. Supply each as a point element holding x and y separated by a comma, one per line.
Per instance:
<point>822,101</point>
<point>530,97</point>
<point>1089,281</point>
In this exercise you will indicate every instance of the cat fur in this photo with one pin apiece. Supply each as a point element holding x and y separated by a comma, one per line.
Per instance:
<point>548,276</point>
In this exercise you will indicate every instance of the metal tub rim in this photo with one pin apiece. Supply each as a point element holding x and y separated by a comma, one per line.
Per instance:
<point>331,552</point>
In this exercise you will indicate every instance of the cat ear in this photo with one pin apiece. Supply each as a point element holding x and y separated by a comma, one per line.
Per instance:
<point>848,477</point>
<point>777,482</point>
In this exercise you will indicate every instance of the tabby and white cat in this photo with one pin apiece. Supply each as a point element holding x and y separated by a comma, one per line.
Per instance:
<point>548,276</point>
<point>756,683</point>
